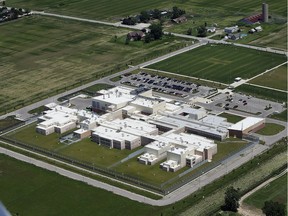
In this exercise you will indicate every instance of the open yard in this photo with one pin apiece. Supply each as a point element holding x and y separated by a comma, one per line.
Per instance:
<point>154,174</point>
<point>274,79</point>
<point>43,56</point>
<point>52,194</point>
<point>220,63</point>
<point>85,150</point>
<point>275,191</point>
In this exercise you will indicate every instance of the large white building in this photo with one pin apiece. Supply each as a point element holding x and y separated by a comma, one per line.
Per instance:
<point>175,133</point>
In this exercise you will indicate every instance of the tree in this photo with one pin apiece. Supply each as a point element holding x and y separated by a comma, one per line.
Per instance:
<point>129,21</point>
<point>156,14</point>
<point>144,16</point>
<point>232,197</point>
<point>147,38</point>
<point>177,12</point>
<point>202,31</point>
<point>156,31</point>
<point>189,31</point>
<point>273,209</point>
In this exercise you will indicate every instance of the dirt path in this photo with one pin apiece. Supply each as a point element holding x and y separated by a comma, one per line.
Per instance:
<point>247,210</point>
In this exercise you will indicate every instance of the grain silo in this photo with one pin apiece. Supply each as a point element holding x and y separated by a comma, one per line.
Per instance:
<point>265,12</point>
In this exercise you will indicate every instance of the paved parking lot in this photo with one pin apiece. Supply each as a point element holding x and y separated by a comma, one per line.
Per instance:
<point>245,104</point>
<point>172,86</point>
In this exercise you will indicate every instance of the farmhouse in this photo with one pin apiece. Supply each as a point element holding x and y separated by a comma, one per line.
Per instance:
<point>236,36</point>
<point>230,30</point>
<point>180,19</point>
<point>136,35</point>
<point>211,29</point>
<point>245,126</point>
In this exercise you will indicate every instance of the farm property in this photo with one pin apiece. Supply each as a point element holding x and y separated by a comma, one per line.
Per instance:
<point>114,9</point>
<point>43,56</point>
<point>222,63</point>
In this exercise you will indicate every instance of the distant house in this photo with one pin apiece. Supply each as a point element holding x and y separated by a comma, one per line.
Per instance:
<point>136,35</point>
<point>236,36</point>
<point>211,29</point>
<point>180,19</point>
<point>230,30</point>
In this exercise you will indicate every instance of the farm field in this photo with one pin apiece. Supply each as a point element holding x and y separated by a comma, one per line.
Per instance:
<point>263,93</point>
<point>274,79</point>
<point>37,52</point>
<point>275,191</point>
<point>114,9</point>
<point>220,63</point>
<point>53,194</point>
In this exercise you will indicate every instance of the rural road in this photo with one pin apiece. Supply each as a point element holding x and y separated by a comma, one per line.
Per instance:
<point>244,209</point>
<point>139,27</point>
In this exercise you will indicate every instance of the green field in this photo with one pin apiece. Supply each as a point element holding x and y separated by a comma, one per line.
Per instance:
<point>115,9</point>
<point>263,93</point>
<point>8,122</point>
<point>29,190</point>
<point>37,52</point>
<point>220,63</point>
<point>274,79</point>
<point>280,116</point>
<point>231,118</point>
<point>275,191</point>
<point>271,129</point>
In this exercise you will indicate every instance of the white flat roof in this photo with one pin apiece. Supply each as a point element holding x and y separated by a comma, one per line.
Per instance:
<point>115,95</point>
<point>146,102</point>
<point>113,134</point>
<point>246,123</point>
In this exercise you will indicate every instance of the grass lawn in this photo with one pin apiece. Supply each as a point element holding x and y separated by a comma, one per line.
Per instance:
<point>231,118</point>
<point>85,150</point>
<point>281,116</point>
<point>37,110</point>
<point>8,122</point>
<point>271,129</point>
<point>151,174</point>
<point>29,135</point>
<point>263,93</point>
<point>97,87</point>
<point>275,191</point>
<point>52,194</point>
<point>274,79</point>
<point>220,63</point>
<point>37,52</point>
<point>91,152</point>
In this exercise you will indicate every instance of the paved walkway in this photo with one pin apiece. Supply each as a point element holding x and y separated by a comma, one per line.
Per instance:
<point>247,210</point>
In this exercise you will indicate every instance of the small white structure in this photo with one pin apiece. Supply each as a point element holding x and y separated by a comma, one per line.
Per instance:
<point>237,79</point>
<point>211,29</point>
